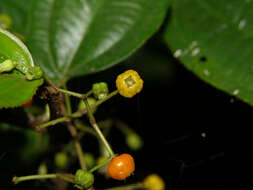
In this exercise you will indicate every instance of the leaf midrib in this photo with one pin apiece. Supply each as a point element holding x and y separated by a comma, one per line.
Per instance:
<point>95,12</point>
<point>51,57</point>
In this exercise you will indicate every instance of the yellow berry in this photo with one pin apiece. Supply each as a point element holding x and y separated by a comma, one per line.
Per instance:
<point>154,182</point>
<point>129,83</point>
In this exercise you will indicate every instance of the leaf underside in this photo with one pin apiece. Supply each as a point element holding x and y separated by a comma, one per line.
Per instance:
<point>214,40</point>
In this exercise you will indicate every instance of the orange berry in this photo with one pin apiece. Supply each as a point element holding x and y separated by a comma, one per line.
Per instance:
<point>121,167</point>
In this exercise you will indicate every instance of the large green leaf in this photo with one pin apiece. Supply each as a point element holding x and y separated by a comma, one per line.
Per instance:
<point>17,10</point>
<point>14,88</point>
<point>78,37</point>
<point>214,39</point>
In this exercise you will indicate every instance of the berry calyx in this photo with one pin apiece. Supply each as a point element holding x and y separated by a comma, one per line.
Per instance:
<point>153,182</point>
<point>121,167</point>
<point>84,178</point>
<point>129,83</point>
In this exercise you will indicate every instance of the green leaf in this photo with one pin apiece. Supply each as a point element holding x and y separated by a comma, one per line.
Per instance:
<point>214,40</point>
<point>17,10</point>
<point>15,90</point>
<point>79,37</point>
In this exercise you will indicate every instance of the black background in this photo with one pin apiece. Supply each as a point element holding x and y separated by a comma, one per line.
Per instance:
<point>171,115</point>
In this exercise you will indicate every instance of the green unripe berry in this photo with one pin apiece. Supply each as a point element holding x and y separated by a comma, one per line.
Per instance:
<point>6,66</point>
<point>42,170</point>
<point>100,90</point>
<point>61,160</point>
<point>91,102</point>
<point>5,21</point>
<point>134,141</point>
<point>84,178</point>
<point>89,159</point>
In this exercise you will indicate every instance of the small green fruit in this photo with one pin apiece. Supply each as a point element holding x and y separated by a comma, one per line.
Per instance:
<point>134,141</point>
<point>84,178</point>
<point>61,160</point>
<point>42,170</point>
<point>89,159</point>
<point>100,90</point>
<point>91,102</point>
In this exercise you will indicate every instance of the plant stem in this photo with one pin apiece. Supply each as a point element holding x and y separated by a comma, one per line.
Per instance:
<point>16,180</point>
<point>127,187</point>
<point>84,128</point>
<point>80,155</point>
<point>123,127</point>
<point>64,177</point>
<point>67,92</point>
<point>49,81</point>
<point>76,114</point>
<point>76,94</point>
<point>95,126</point>
<point>54,122</point>
<point>107,97</point>
<point>67,101</point>
<point>73,132</point>
<point>99,165</point>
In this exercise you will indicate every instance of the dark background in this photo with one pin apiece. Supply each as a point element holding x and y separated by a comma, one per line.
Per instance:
<point>182,121</point>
